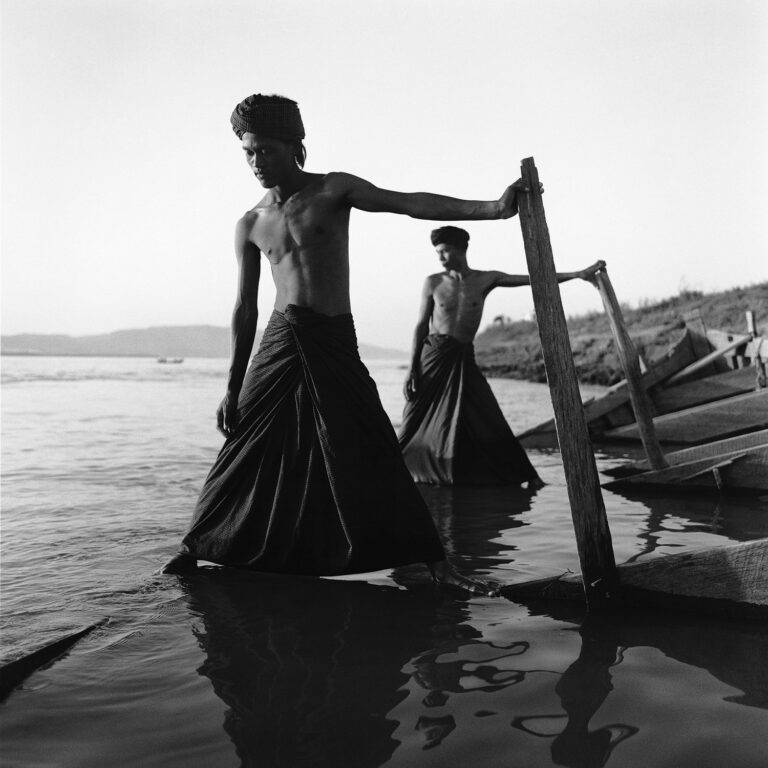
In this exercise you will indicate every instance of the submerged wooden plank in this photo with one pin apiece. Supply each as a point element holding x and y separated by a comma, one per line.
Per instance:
<point>722,418</point>
<point>680,473</point>
<point>16,672</point>
<point>716,448</point>
<point>745,471</point>
<point>730,580</point>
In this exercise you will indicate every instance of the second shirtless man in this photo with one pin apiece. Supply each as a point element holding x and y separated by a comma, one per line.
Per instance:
<point>453,431</point>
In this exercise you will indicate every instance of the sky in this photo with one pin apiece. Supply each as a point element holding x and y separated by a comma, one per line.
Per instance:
<point>122,180</point>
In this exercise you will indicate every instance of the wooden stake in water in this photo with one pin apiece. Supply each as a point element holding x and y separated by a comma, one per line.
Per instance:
<point>630,362</point>
<point>593,537</point>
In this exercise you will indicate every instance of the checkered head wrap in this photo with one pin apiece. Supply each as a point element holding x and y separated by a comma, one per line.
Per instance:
<point>276,118</point>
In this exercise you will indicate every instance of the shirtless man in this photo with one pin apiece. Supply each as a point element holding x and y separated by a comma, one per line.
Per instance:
<point>310,478</point>
<point>453,431</point>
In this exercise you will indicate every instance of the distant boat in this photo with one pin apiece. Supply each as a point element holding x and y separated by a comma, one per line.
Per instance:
<point>710,386</point>
<point>170,359</point>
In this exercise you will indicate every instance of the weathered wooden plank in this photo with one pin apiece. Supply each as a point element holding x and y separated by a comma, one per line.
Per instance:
<point>700,391</point>
<point>689,470</point>
<point>701,343</point>
<point>14,673</point>
<point>722,418</point>
<point>617,397</point>
<point>641,404</point>
<point>744,471</point>
<point>590,522</point>
<point>736,572</point>
<point>703,362</point>
<point>729,580</point>
<point>716,448</point>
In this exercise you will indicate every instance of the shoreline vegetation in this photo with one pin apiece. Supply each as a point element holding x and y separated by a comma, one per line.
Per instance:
<point>512,350</point>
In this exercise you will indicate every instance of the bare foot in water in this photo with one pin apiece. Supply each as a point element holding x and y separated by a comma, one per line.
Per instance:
<point>180,563</point>
<point>444,573</point>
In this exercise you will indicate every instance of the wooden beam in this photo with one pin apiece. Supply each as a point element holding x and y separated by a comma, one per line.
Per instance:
<point>641,404</point>
<point>13,674</point>
<point>593,537</point>
<point>711,421</point>
<point>751,323</point>
<point>741,462</point>
<point>717,448</point>
<point>700,391</point>
<point>728,580</point>
<point>705,361</point>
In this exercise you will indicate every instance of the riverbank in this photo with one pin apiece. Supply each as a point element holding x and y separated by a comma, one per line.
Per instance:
<point>513,350</point>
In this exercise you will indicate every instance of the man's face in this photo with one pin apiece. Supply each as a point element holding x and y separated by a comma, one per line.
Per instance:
<point>271,160</point>
<point>450,255</point>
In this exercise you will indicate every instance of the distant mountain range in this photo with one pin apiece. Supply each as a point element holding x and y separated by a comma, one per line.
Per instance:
<point>160,341</point>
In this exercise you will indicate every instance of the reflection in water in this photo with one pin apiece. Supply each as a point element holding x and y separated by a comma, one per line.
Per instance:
<point>309,668</point>
<point>737,518</point>
<point>334,672</point>
<point>491,674</point>
<point>582,689</point>
<point>471,518</point>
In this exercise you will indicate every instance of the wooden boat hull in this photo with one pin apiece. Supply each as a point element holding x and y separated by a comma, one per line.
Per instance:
<point>721,387</point>
<point>727,580</point>
<point>736,464</point>
<point>702,423</point>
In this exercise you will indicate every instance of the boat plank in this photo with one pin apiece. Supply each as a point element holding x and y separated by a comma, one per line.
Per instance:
<point>716,448</point>
<point>729,580</point>
<point>700,391</point>
<point>614,404</point>
<point>742,413</point>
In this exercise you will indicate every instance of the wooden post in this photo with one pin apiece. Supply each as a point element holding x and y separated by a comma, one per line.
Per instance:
<point>761,380</point>
<point>751,323</point>
<point>593,537</point>
<point>641,404</point>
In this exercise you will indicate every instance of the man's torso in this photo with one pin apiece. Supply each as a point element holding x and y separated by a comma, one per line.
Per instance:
<point>458,303</point>
<point>306,240</point>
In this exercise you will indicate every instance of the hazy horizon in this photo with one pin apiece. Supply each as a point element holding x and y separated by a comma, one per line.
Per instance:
<point>647,122</point>
<point>642,302</point>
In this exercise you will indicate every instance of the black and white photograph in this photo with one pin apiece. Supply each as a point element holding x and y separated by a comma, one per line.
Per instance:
<point>384,384</point>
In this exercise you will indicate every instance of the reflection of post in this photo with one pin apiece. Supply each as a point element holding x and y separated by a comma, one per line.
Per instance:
<point>583,689</point>
<point>593,537</point>
<point>641,404</point>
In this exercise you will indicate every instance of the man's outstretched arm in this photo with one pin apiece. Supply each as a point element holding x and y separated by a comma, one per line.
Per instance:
<point>361,194</point>
<point>419,334</point>
<point>244,317</point>
<point>503,280</point>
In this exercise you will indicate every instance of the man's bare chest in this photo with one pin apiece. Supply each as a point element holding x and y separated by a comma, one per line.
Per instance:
<point>453,294</point>
<point>296,225</point>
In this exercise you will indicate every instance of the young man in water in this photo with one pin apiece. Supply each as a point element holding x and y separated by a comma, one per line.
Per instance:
<point>310,478</point>
<point>453,431</point>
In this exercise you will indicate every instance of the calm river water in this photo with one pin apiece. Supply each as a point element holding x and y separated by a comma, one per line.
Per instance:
<point>102,460</point>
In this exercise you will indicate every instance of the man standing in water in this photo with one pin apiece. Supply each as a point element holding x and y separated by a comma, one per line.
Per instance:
<point>453,431</point>
<point>310,478</point>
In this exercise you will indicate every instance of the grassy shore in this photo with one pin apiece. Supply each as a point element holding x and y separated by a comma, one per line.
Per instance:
<point>513,350</point>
